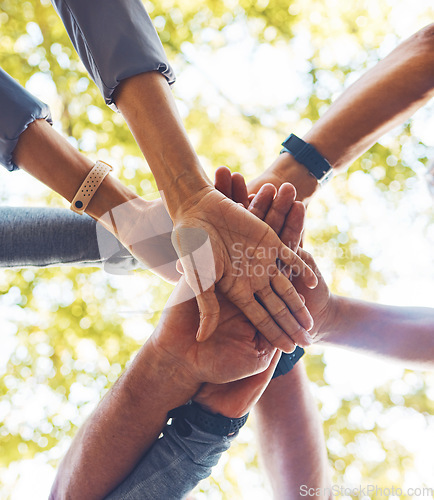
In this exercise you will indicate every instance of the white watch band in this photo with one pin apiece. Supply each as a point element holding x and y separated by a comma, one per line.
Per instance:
<point>90,185</point>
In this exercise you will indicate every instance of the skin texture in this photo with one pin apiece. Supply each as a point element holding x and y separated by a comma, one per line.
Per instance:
<point>168,371</point>
<point>198,209</point>
<point>141,226</point>
<point>402,82</point>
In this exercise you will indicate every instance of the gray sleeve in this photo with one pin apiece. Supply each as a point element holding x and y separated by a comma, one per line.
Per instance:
<point>173,466</point>
<point>33,236</point>
<point>18,108</point>
<point>115,39</point>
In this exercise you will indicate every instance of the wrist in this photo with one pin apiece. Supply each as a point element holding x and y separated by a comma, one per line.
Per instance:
<point>186,190</point>
<point>164,375</point>
<point>288,169</point>
<point>331,322</point>
<point>110,194</point>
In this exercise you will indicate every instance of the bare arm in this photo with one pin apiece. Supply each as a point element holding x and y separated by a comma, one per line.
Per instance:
<point>123,427</point>
<point>385,96</point>
<point>291,439</point>
<point>400,333</point>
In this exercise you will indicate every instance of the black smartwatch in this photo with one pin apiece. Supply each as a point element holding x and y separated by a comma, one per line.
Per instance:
<point>287,361</point>
<point>214,423</point>
<point>306,154</point>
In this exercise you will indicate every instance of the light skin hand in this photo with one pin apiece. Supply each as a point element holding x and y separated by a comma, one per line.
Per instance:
<point>245,250</point>
<point>285,217</point>
<point>205,219</point>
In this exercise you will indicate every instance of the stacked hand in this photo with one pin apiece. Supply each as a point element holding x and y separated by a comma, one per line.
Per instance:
<point>241,258</point>
<point>236,350</point>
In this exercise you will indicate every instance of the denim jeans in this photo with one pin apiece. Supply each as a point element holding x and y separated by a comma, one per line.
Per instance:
<point>173,466</point>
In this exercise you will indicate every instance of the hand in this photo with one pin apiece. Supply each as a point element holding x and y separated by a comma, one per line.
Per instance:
<point>286,218</point>
<point>245,251</point>
<point>145,229</point>
<point>319,301</point>
<point>236,351</point>
<point>286,169</point>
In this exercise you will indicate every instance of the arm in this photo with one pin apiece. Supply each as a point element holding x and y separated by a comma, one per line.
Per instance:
<point>123,427</point>
<point>166,373</point>
<point>387,95</point>
<point>287,422</point>
<point>174,465</point>
<point>291,439</point>
<point>142,93</point>
<point>401,333</point>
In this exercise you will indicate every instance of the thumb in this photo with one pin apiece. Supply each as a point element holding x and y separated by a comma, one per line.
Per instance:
<point>209,313</point>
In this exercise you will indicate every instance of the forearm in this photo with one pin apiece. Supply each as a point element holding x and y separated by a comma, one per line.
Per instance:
<point>403,333</point>
<point>123,427</point>
<point>149,108</point>
<point>173,466</point>
<point>384,97</point>
<point>49,157</point>
<point>290,436</point>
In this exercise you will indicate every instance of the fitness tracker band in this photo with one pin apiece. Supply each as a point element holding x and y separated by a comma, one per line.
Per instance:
<point>92,182</point>
<point>213,423</point>
<point>287,361</point>
<point>306,154</point>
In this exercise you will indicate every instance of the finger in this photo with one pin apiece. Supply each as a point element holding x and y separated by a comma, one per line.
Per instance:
<point>287,310</point>
<point>299,312</point>
<point>179,267</point>
<point>209,313</point>
<point>264,323</point>
<point>297,267</point>
<point>292,230</point>
<point>251,196</point>
<point>223,181</point>
<point>262,201</point>
<point>239,189</point>
<point>307,257</point>
<point>281,207</point>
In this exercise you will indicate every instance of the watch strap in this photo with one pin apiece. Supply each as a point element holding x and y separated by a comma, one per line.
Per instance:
<point>213,423</point>
<point>287,361</point>
<point>92,182</point>
<point>307,155</point>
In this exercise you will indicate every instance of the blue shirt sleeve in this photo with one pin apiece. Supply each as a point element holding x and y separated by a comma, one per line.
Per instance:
<point>18,108</point>
<point>173,466</point>
<point>115,39</point>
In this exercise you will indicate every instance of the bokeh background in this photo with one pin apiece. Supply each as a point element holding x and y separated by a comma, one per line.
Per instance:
<point>249,73</point>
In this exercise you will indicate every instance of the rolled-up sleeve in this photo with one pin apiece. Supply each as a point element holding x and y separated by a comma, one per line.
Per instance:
<point>18,108</point>
<point>115,40</point>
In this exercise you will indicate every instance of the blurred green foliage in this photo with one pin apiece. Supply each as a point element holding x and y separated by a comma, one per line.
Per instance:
<point>59,316</point>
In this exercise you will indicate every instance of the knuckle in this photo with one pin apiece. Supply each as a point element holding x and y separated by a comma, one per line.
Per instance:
<point>265,292</point>
<point>264,323</point>
<point>281,314</point>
